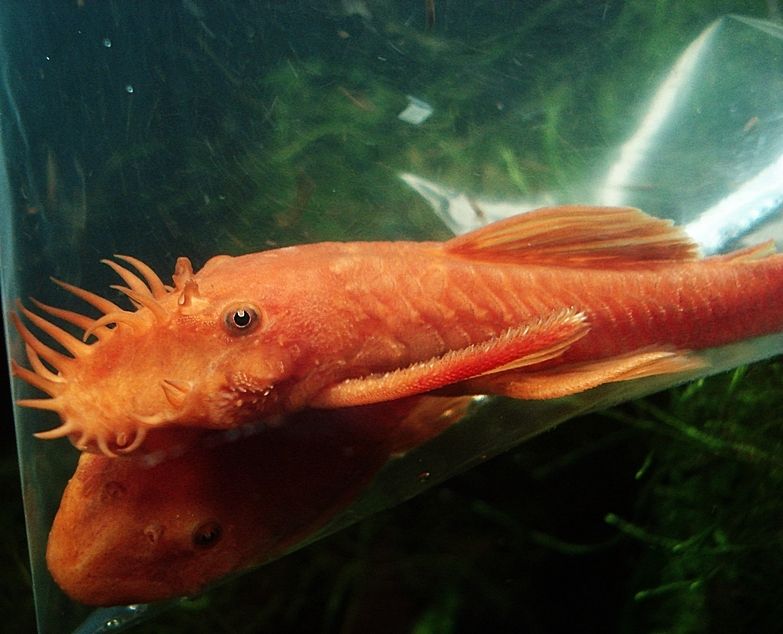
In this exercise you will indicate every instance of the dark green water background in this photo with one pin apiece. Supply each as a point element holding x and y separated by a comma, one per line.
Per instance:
<point>162,128</point>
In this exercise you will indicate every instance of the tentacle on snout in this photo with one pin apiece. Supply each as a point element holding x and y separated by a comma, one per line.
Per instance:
<point>54,371</point>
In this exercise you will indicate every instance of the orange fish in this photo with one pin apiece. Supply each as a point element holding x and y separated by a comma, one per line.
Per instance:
<point>131,531</point>
<point>538,306</point>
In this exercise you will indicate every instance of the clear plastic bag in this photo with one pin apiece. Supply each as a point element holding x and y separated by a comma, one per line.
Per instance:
<point>194,130</point>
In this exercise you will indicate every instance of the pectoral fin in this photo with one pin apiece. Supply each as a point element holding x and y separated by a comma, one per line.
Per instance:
<point>515,348</point>
<point>571,379</point>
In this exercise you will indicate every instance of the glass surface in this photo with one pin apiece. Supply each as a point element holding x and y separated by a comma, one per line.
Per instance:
<point>160,129</point>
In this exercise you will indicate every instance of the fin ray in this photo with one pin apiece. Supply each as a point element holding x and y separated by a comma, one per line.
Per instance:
<point>520,346</point>
<point>572,379</point>
<point>578,236</point>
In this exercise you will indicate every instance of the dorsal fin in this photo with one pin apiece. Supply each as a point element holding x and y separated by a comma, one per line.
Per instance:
<point>578,236</point>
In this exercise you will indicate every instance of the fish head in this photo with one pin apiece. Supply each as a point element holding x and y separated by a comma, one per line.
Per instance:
<point>131,530</point>
<point>201,353</point>
<point>173,522</point>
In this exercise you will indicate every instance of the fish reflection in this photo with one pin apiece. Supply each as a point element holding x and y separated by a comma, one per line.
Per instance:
<point>139,530</point>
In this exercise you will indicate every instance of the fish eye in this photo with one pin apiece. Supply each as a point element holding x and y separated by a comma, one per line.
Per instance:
<point>241,319</point>
<point>207,535</point>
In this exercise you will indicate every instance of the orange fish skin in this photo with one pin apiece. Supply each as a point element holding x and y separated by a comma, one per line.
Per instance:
<point>330,325</point>
<point>164,526</point>
<point>374,307</point>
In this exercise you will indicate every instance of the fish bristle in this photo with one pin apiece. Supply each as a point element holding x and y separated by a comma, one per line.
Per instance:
<point>151,420</point>
<point>57,359</point>
<point>49,367</point>
<point>189,293</point>
<point>65,339</point>
<point>57,432</point>
<point>183,273</point>
<point>77,319</point>
<point>39,366</point>
<point>120,318</point>
<point>52,388</point>
<point>103,445</point>
<point>50,404</point>
<point>141,434</point>
<point>147,301</point>
<point>155,284</point>
<point>133,281</point>
<point>176,391</point>
<point>101,303</point>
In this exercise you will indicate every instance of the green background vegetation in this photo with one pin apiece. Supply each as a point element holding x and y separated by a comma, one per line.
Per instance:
<point>257,124</point>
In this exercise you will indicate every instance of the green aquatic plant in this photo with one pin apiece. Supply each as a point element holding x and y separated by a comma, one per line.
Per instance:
<point>662,515</point>
<point>709,506</point>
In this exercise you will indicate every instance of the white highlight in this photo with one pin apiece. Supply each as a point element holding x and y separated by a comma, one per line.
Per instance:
<point>740,211</point>
<point>637,148</point>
